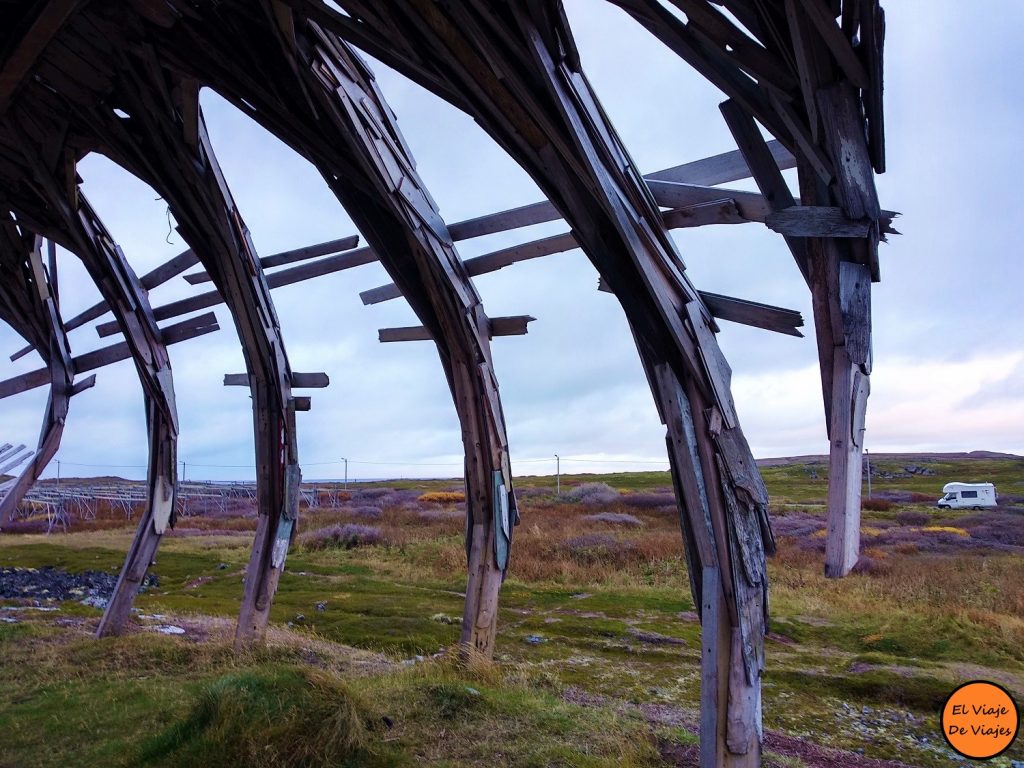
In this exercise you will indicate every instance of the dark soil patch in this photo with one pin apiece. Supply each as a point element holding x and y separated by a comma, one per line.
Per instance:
<point>57,584</point>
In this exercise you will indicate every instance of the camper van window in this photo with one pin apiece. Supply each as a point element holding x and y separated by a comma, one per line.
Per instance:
<point>950,496</point>
<point>968,494</point>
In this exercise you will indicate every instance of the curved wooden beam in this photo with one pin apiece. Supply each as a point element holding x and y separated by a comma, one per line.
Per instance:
<point>333,113</point>
<point>542,110</point>
<point>178,161</point>
<point>28,305</point>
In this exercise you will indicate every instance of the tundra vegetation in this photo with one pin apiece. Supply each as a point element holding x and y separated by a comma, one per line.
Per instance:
<point>598,652</point>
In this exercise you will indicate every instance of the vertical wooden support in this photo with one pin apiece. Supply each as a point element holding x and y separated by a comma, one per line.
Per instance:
<point>270,547</point>
<point>850,388</point>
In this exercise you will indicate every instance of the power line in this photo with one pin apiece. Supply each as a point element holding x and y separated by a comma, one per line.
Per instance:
<point>367,462</point>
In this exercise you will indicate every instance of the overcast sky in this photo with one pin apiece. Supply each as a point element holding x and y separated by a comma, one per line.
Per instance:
<point>948,317</point>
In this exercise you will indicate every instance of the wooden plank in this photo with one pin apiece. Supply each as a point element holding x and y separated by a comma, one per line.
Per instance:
<point>278,279</point>
<point>724,211</point>
<point>672,194</point>
<point>149,281</point>
<point>49,18</point>
<point>309,380</point>
<point>785,321</point>
<point>83,384</point>
<point>711,64</point>
<point>515,325</point>
<point>761,64</point>
<point>510,326</point>
<point>718,371</point>
<point>838,44</point>
<point>766,172</point>
<point>172,334</point>
<point>816,221</point>
<point>290,257</point>
<point>407,333</point>
<point>871,47</point>
<point>844,137</point>
<point>712,716</point>
<point>721,169</point>
<point>855,305</point>
<point>842,542</point>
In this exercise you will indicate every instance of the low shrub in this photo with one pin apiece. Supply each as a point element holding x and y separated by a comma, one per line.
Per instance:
<point>641,500</point>
<point>876,505</point>
<point>598,548</point>
<point>799,525</point>
<point>366,511</point>
<point>614,518</point>
<point>344,536</point>
<point>910,517</point>
<point>371,494</point>
<point>442,497</point>
<point>432,515</point>
<point>593,493</point>
<point>870,566</point>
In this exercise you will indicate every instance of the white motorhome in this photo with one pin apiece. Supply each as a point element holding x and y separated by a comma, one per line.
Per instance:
<point>967,496</point>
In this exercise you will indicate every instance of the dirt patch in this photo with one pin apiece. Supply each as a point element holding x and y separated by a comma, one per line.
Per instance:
<point>688,755</point>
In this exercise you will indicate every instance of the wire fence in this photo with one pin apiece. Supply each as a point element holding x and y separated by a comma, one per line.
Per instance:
<point>59,498</point>
<point>553,462</point>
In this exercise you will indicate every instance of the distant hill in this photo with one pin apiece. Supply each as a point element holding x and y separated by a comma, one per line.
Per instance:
<point>810,459</point>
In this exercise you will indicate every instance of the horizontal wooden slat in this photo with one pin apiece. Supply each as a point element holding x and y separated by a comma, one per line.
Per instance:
<point>289,257</point>
<point>721,169</point>
<point>298,380</point>
<point>816,221</point>
<point>172,334</point>
<point>407,333</point>
<point>719,211</point>
<point>672,194</point>
<point>514,325</point>
<point>778,319</point>
<point>83,384</point>
<point>785,321</point>
<point>289,276</point>
<point>150,280</point>
<point>310,380</point>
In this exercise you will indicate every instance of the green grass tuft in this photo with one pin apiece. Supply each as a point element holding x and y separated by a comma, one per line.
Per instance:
<point>285,718</point>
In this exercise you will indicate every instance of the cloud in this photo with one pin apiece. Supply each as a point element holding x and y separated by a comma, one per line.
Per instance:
<point>947,315</point>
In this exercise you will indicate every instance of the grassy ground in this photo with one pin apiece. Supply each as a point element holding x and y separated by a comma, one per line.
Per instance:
<point>599,648</point>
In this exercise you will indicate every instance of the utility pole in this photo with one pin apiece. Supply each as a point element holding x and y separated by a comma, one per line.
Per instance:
<point>346,473</point>
<point>558,476</point>
<point>867,462</point>
<point>58,474</point>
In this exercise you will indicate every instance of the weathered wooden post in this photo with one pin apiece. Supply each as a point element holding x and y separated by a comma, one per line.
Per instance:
<point>28,305</point>
<point>328,108</point>
<point>544,114</point>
